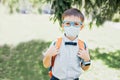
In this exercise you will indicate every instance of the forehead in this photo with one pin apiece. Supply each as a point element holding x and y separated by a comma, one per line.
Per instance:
<point>72,18</point>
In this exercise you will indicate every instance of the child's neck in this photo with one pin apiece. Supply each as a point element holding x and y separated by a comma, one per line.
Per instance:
<point>71,38</point>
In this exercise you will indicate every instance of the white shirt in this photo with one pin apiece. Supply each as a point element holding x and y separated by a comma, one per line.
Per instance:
<point>67,63</point>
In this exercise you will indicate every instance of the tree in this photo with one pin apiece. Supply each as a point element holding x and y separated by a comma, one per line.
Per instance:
<point>99,10</point>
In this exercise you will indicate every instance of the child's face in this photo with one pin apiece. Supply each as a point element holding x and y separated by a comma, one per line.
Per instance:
<point>72,25</point>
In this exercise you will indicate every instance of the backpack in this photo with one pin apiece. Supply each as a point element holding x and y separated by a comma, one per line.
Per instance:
<point>81,45</point>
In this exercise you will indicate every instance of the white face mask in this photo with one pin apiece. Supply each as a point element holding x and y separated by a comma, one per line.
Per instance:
<point>71,31</point>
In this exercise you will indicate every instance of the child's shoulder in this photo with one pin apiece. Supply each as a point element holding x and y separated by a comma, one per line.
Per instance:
<point>56,41</point>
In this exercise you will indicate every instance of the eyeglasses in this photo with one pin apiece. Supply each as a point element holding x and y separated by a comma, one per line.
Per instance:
<point>71,23</point>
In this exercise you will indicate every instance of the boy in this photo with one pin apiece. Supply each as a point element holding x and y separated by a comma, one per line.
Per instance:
<point>70,59</point>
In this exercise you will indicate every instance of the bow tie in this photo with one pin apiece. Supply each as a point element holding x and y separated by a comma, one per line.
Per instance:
<point>71,43</point>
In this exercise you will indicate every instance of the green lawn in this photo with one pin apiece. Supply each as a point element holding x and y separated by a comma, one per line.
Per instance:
<point>100,71</point>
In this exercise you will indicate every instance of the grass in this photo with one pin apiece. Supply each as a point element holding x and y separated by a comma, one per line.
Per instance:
<point>100,71</point>
<point>111,59</point>
<point>21,61</point>
<point>24,62</point>
<point>105,66</point>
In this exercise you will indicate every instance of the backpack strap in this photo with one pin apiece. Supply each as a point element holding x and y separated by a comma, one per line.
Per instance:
<point>81,44</point>
<point>57,44</point>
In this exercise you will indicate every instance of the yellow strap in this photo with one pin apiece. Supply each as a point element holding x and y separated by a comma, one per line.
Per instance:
<point>58,42</point>
<point>81,44</point>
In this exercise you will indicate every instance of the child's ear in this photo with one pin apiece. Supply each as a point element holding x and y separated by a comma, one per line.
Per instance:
<point>81,27</point>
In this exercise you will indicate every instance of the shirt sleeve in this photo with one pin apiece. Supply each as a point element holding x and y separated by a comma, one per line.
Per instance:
<point>52,44</point>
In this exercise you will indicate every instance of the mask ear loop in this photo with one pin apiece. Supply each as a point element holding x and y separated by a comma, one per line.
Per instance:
<point>81,27</point>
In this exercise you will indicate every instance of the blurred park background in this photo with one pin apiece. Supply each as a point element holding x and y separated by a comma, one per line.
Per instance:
<point>27,28</point>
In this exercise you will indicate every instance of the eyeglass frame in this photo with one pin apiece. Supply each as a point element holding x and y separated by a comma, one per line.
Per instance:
<point>72,23</point>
